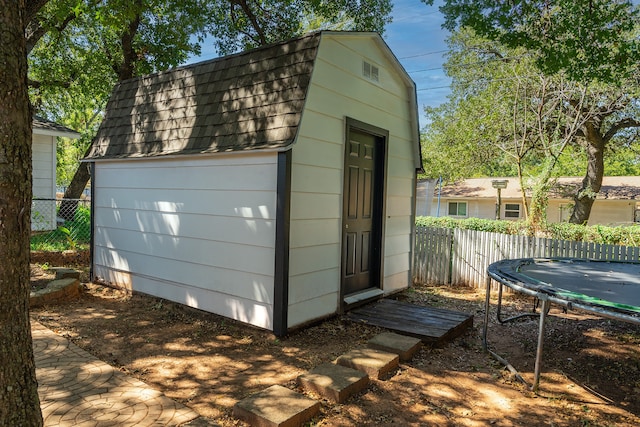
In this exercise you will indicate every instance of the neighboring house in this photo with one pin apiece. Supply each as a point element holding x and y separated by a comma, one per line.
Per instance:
<point>275,186</point>
<point>616,203</point>
<point>45,134</point>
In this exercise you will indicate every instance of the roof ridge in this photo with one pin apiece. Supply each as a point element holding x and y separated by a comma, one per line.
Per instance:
<point>230,56</point>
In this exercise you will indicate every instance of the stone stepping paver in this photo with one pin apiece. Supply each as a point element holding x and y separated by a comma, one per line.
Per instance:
<point>377,364</point>
<point>63,273</point>
<point>335,383</point>
<point>276,406</point>
<point>402,345</point>
<point>77,389</point>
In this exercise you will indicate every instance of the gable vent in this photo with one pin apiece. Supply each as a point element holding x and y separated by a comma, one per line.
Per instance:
<point>370,71</point>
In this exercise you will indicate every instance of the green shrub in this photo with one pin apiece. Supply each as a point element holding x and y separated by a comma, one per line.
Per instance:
<point>75,234</point>
<point>621,235</point>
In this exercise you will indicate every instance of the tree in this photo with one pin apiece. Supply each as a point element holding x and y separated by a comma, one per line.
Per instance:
<point>92,45</point>
<point>613,110</point>
<point>256,23</point>
<point>133,38</point>
<point>593,45</point>
<point>588,40</point>
<point>19,403</point>
<point>503,109</point>
<point>25,23</point>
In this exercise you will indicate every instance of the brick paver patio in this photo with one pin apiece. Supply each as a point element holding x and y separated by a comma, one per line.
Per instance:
<point>77,389</point>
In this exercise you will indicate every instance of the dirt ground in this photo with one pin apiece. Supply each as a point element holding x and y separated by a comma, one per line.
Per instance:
<point>591,372</point>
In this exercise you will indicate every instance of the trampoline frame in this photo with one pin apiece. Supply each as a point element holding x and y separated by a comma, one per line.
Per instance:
<point>545,298</point>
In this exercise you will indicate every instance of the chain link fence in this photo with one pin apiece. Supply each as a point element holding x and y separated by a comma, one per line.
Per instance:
<point>60,224</point>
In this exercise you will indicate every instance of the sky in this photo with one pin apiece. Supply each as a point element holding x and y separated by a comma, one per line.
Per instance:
<point>417,39</point>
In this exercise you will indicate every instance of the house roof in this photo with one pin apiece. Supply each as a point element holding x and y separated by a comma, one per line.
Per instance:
<point>613,188</point>
<point>238,102</point>
<point>43,126</point>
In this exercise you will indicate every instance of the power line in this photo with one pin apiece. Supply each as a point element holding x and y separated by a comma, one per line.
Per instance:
<point>426,69</point>
<point>484,81</point>
<point>433,88</point>
<point>425,54</point>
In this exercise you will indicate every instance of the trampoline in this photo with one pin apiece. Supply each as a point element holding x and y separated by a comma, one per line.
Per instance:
<point>607,288</point>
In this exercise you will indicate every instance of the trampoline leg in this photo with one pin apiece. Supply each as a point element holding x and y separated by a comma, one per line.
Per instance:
<point>512,318</point>
<point>543,317</point>
<point>485,344</point>
<point>486,315</point>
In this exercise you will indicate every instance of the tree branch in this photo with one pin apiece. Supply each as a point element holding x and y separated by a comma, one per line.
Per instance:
<point>35,30</point>
<point>126,69</point>
<point>32,9</point>
<point>252,18</point>
<point>625,123</point>
<point>37,84</point>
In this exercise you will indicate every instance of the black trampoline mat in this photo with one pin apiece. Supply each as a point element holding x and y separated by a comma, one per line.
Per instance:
<point>615,283</point>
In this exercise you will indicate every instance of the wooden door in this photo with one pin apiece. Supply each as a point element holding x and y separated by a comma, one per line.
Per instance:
<point>362,206</point>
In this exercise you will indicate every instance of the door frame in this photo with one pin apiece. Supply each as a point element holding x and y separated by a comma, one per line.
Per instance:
<point>379,203</point>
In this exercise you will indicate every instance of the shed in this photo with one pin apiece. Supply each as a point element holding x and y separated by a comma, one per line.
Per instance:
<point>43,161</point>
<point>274,186</point>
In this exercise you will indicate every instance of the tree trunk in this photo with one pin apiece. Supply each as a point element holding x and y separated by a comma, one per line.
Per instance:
<point>19,403</point>
<point>125,70</point>
<point>74,190</point>
<point>537,218</point>
<point>592,182</point>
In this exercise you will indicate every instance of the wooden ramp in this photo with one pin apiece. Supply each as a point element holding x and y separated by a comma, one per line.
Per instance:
<point>432,325</point>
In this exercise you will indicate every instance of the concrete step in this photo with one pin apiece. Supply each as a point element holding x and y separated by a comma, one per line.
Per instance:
<point>65,273</point>
<point>402,345</point>
<point>335,383</point>
<point>375,363</point>
<point>276,406</point>
<point>56,291</point>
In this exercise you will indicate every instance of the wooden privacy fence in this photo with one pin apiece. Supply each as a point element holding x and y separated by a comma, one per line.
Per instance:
<point>454,256</point>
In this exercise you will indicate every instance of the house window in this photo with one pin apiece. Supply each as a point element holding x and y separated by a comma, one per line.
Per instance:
<point>565,211</point>
<point>457,208</point>
<point>512,210</point>
<point>370,71</point>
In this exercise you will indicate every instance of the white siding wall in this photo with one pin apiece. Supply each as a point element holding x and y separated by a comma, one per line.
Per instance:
<point>43,216</point>
<point>337,91</point>
<point>195,230</point>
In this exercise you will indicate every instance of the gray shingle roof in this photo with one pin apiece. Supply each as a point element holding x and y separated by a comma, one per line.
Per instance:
<point>49,127</point>
<point>246,101</point>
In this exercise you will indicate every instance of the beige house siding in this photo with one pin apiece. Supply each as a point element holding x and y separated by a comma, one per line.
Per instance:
<point>476,208</point>
<point>616,203</point>
<point>604,212</point>
<point>339,91</point>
